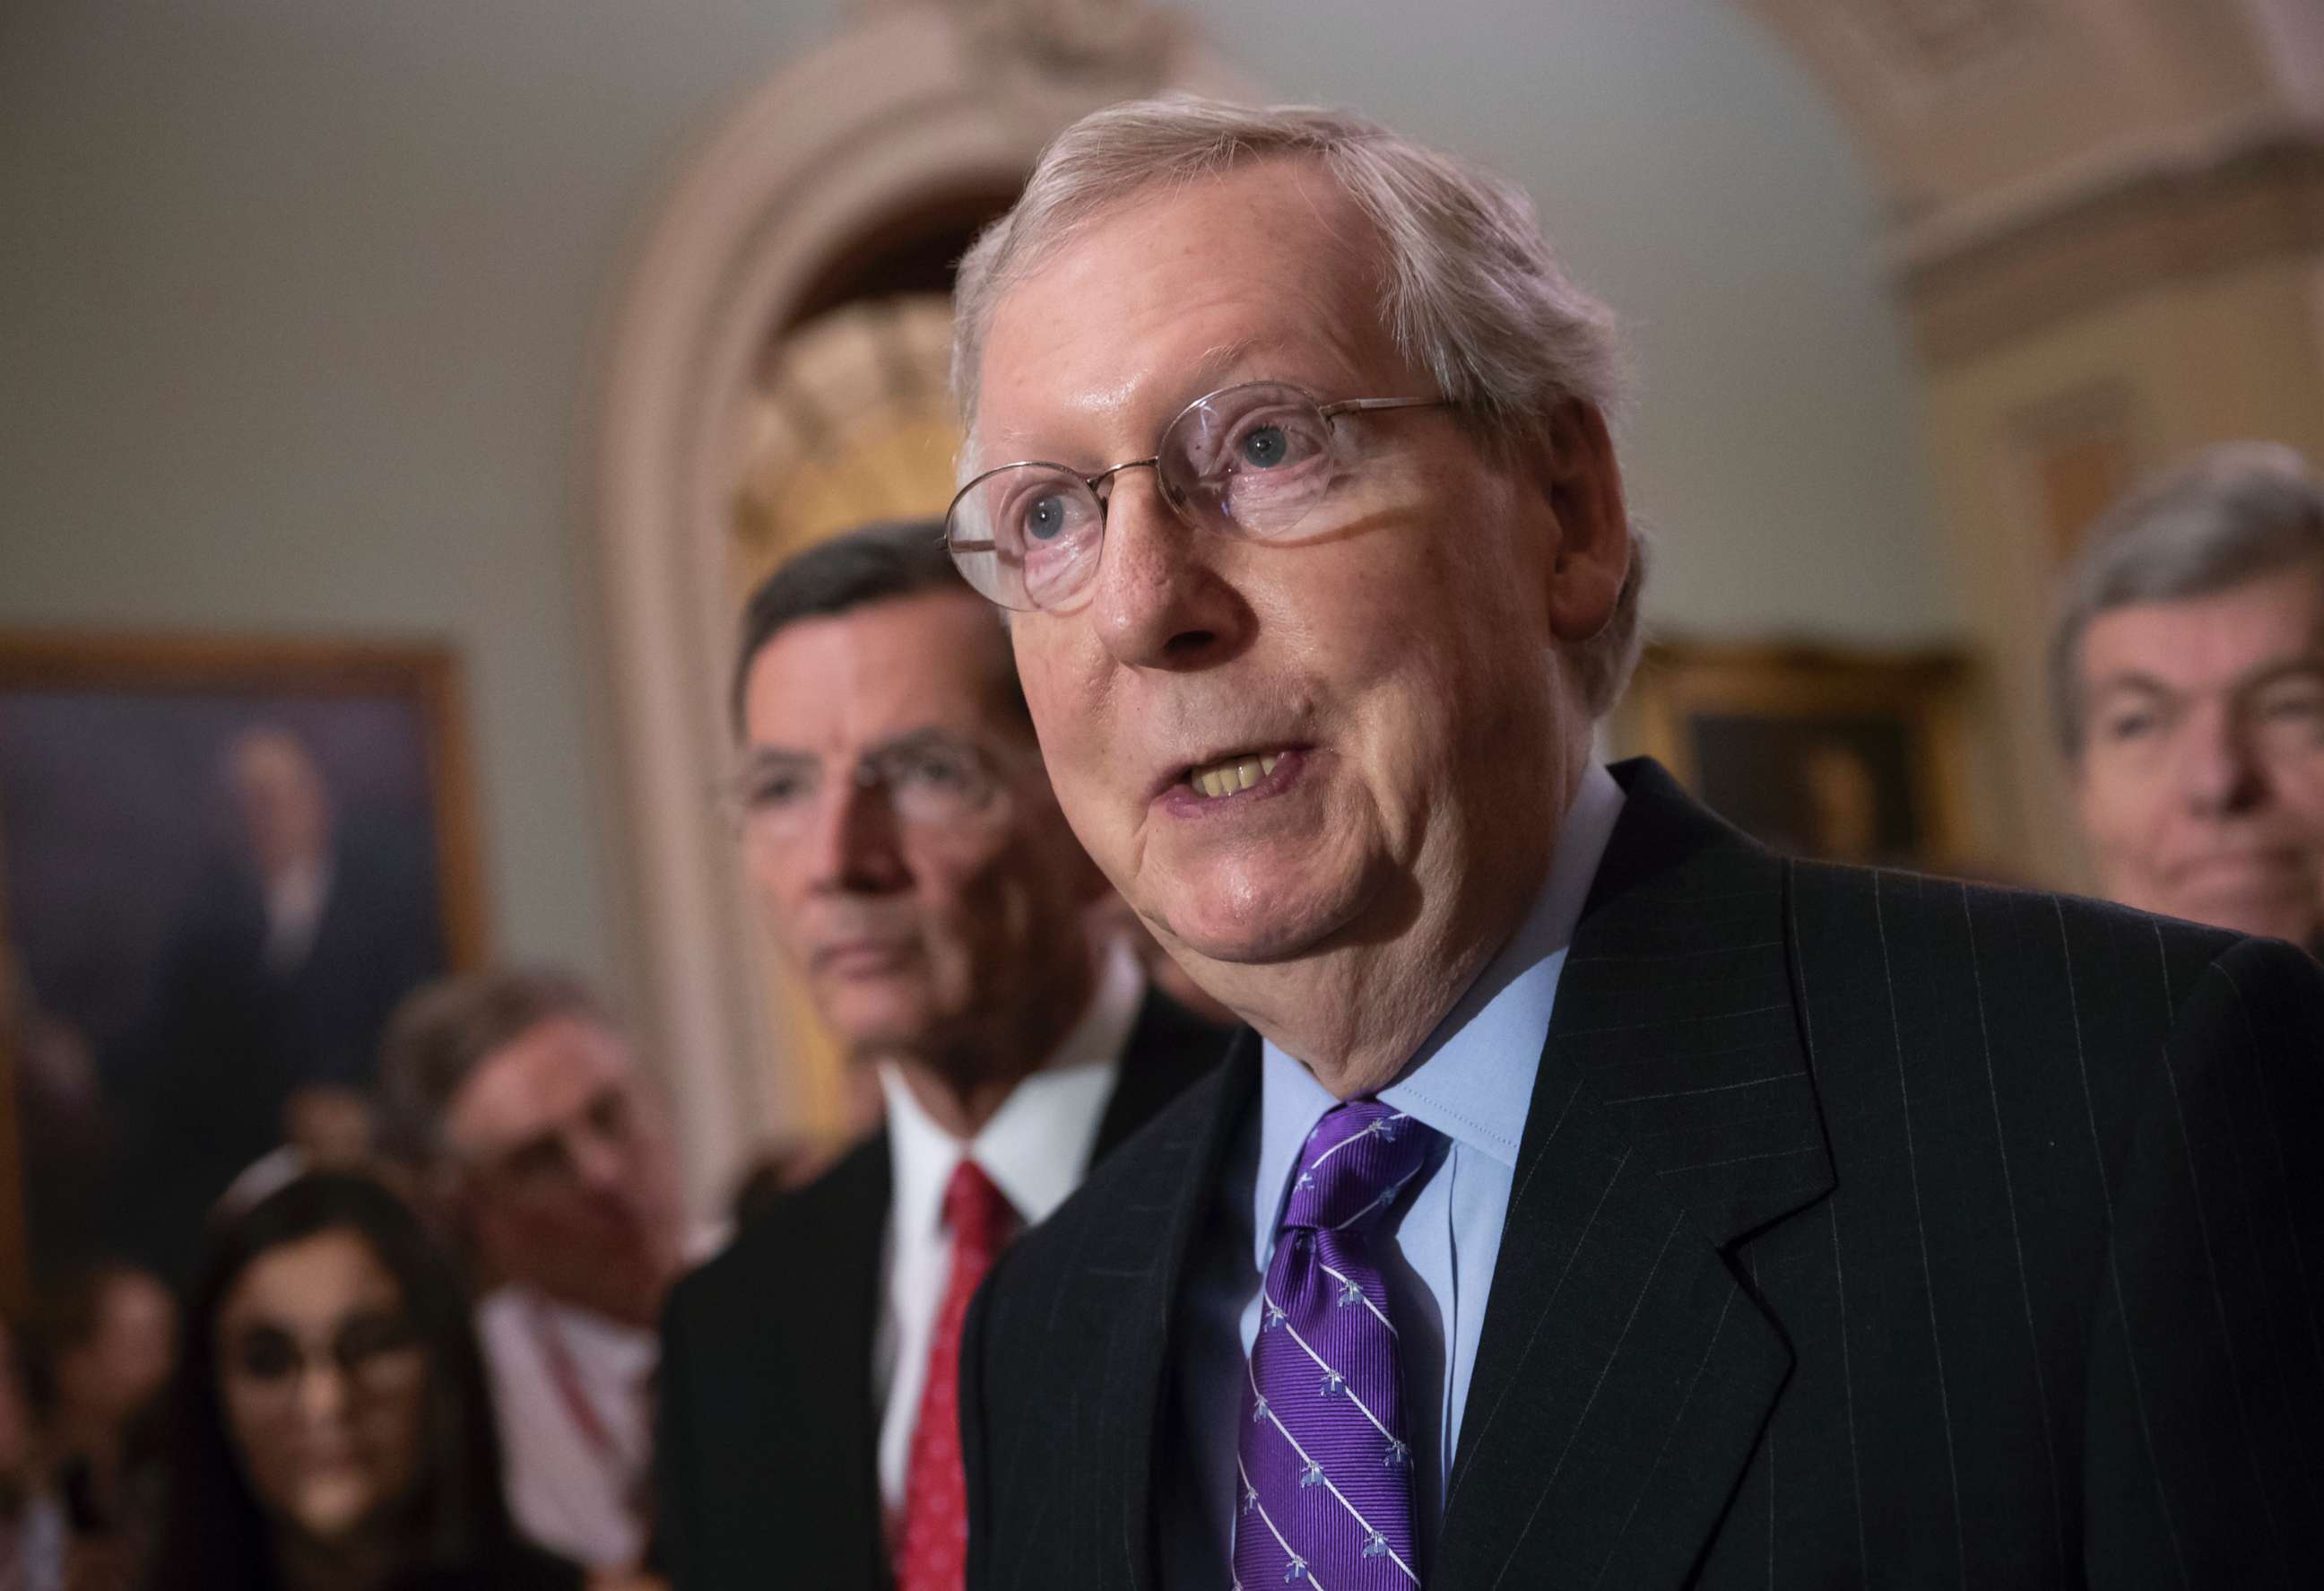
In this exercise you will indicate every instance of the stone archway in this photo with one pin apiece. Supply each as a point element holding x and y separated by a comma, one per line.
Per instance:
<point>913,107</point>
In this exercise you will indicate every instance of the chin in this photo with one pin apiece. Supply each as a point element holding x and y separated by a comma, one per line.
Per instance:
<point>1246,922</point>
<point>863,1019</point>
<point>334,1513</point>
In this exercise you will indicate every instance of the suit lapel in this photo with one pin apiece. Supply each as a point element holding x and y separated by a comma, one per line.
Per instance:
<point>1131,1270</point>
<point>1169,1048</point>
<point>838,1229</point>
<point>1625,1369</point>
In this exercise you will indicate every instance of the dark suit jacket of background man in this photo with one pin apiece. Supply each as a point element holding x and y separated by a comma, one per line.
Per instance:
<point>766,1456</point>
<point>1868,1228</point>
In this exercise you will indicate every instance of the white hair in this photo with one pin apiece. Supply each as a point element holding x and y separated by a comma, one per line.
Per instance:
<point>1471,292</point>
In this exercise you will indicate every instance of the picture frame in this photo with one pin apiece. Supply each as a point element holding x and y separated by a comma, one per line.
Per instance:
<point>282,824</point>
<point>1845,755</point>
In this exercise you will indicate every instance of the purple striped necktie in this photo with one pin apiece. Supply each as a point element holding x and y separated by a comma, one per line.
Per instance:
<point>1325,1467</point>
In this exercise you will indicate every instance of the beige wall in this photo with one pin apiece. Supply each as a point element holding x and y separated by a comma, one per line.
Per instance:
<point>298,311</point>
<point>301,303</point>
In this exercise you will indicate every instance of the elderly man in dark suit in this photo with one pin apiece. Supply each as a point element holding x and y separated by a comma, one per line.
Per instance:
<point>1596,1198</point>
<point>901,835</point>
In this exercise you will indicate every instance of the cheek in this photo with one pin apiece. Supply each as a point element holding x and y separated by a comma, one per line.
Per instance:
<point>2120,809</point>
<point>1063,669</point>
<point>957,886</point>
<point>775,878</point>
<point>394,1432</point>
<point>2300,789</point>
<point>260,1436</point>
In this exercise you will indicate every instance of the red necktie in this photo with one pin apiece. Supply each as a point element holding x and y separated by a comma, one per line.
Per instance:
<point>932,1547</point>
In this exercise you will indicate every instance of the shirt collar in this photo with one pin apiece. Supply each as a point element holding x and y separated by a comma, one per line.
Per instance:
<point>1471,1080</point>
<point>613,1349</point>
<point>1038,1143</point>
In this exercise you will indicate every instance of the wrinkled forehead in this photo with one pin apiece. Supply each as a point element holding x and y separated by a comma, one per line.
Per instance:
<point>842,684</point>
<point>1268,271</point>
<point>537,1082</point>
<point>2210,638</point>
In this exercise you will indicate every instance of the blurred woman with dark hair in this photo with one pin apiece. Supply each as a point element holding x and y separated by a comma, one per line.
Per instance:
<point>331,1425</point>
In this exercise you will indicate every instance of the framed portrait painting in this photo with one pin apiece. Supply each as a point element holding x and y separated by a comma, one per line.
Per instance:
<point>1846,755</point>
<point>222,863</point>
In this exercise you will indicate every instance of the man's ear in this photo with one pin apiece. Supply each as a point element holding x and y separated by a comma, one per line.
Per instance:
<point>1572,465</point>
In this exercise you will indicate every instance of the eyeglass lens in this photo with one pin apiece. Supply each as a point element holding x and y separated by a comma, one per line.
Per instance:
<point>273,1355</point>
<point>933,781</point>
<point>1249,461</point>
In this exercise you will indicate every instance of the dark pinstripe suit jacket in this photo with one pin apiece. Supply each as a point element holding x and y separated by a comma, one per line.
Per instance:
<point>1868,1229</point>
<point>765,1444</point>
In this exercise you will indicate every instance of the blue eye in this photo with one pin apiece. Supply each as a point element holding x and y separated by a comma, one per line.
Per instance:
<point>1264,447</point>
<point>1044,519</point>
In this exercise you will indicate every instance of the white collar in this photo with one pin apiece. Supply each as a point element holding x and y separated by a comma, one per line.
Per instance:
<point>600,1344</point>
<point>1471,1080</point>
<point>1039,1142</point>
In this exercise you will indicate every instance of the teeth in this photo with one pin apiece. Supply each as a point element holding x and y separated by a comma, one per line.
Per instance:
<point>1234,775</point>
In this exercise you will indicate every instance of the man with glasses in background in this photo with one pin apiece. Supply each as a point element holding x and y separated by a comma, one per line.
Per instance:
<point>555,1161</point>
<point>1596,1197</point>
<point>897,828</point>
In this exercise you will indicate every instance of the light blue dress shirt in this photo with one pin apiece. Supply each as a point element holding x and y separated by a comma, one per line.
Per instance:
<point>1471,1081</point>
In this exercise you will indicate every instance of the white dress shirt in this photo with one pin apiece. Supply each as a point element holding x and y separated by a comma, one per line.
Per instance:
<point>295,899</point>
<point>1035,1148</point>
<point>575,1481</point>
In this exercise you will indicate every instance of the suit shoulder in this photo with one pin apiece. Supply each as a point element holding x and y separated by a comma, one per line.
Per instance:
<point>853,1192</point>
<point>1180,1031</point>
<point>2268,993</point>
<point>2089,927</point>
<point>1150,1166</point>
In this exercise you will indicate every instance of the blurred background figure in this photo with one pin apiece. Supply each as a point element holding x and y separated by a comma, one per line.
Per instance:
<point>31,1519</point>
<point>62,1131</point>
<point>103,1345</point>
<point>325,1128</point>
<point>2186,674</point>
<point>278,977</point>
<point>331,1429</point>
<point>555,1164</point>
<point>899,830</point>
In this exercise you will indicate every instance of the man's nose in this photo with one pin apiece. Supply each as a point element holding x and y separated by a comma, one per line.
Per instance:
<point>599,1163</point>
<point>1159,600</point>
<point>322,1389</point>
<point>2218,770</point>
<point>854,842</point>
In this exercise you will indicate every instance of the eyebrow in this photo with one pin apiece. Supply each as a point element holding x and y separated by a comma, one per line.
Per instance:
<point>927,738</point>
<point>2132,680</point>
<point>2310,664</point>
<point>2266,675</point>
<point>1205,375</point>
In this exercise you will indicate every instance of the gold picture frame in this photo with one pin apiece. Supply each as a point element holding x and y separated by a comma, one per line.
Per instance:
<point>1848,754</point>
<point>73,708</point>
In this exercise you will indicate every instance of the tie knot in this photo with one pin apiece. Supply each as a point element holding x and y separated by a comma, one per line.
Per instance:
<point>1352,1164</point>
<point>975,1211</point>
